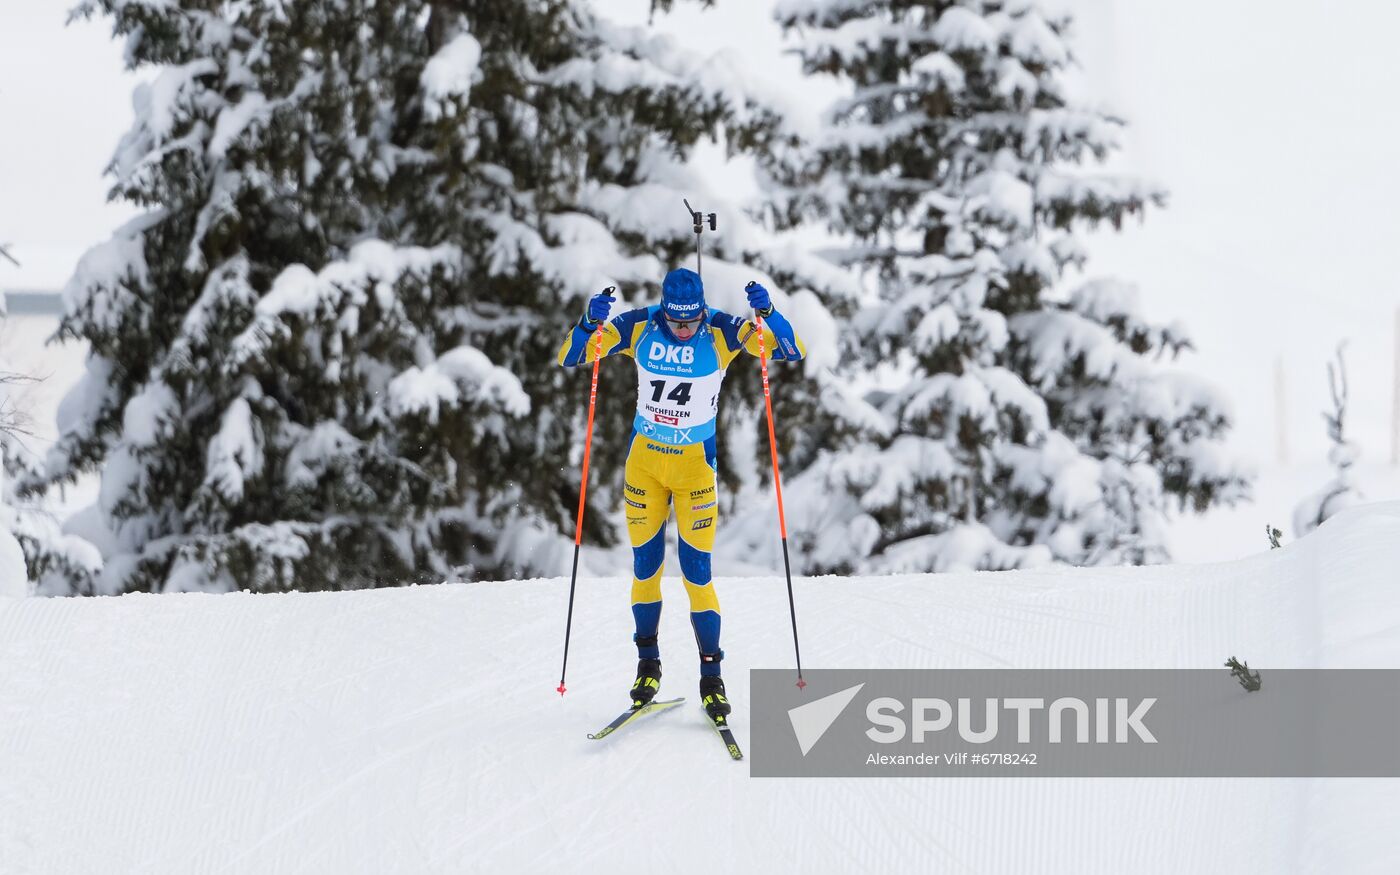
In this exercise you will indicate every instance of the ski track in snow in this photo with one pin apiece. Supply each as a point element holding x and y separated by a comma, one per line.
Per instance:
<point>417,730</point>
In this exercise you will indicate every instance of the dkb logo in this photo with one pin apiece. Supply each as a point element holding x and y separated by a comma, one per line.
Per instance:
<point>676,355</point>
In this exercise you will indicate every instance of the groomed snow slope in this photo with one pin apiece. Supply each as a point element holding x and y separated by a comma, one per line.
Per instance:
<point>417,730</point>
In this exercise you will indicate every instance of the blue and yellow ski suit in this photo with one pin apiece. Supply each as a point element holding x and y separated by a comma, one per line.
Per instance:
<point>672,454</point>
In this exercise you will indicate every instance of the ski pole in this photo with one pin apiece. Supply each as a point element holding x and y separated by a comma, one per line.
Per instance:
<point>583,492</point>
<point>778,487</point>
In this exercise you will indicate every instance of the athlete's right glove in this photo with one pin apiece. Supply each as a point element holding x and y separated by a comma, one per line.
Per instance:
<point>598,307</point>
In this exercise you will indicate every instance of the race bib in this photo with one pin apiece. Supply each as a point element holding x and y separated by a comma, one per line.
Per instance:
<point>678,387</point>
<point>678,401</point>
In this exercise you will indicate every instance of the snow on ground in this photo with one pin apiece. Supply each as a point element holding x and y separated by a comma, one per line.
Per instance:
<point>417,730</point>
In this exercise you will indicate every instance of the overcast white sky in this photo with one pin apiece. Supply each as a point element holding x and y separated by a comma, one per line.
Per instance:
<point>1274,124</point>
<point>64,101</point>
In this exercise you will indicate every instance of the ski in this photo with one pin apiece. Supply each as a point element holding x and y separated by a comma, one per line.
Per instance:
<point>727,736</point>
<point>632,714</point>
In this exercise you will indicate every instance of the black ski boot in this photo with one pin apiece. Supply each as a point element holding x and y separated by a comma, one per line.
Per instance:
<point>712,697</point>
<point>647,683</point>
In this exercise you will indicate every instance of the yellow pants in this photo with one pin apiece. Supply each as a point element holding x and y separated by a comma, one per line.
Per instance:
<point>659,476</point>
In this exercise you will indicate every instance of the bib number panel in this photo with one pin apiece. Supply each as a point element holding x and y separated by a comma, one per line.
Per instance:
<point>678,401</point>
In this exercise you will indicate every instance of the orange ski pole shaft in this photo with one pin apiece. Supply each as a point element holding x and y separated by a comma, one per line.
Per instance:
<point>582,495</point>
<point>778,488</point>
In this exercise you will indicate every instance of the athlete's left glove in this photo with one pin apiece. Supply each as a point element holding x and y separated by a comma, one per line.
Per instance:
<point>759,299</point>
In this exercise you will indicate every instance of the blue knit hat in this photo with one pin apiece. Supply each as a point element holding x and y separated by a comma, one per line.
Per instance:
<point>682,295</point>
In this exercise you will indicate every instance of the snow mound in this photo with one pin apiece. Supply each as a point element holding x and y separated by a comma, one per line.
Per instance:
<point>417,729</point>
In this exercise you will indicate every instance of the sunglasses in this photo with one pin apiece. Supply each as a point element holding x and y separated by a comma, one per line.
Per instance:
<point>687,325</point>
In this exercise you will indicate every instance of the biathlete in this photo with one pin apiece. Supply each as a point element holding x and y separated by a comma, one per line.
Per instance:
<point>682,349</point>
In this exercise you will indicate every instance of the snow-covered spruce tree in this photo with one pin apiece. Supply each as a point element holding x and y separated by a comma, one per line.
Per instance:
<point>33,550</point>
<point>1340,492</point>
<point>1016,421</point>
<point>637,103</point>
<point>35,553</point>
<point>324,357</point>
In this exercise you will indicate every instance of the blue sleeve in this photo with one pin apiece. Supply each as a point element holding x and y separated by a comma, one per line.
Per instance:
<point>788,348</point>
<point>575,345</point>
<point>728,326</point>
<point>738,334</point>
<point>626,325</point>
<point>617,338</point>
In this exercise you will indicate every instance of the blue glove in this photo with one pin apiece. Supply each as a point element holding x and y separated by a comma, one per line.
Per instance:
<point>598,307</point>
<point>758,299</point>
